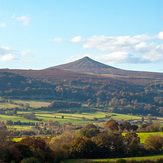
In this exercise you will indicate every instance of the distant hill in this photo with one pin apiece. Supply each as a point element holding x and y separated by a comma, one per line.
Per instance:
<point>11,79</point>
<point>87,65</point>
<point>86,69</point>
<point>54,75</point>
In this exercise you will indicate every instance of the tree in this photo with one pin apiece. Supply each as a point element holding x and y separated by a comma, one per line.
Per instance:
<point>125,125</point>
<point>90,132</point>
<point>154,142</point>
<point>24,149</point>
<point>134,127</point>
<point>130,136</point>
<point>103,143</point>
<point>149,116</point>
<point>34,142</point>
<point>83,147</point>
<point>89,101</point>
<point>112,125</point>
<point>3,135</point>
<point>89,126</point>
<point>134,150</point>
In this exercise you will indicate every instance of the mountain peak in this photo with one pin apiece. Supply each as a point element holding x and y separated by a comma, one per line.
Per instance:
<point>86,57</point>
<point>85,64</point>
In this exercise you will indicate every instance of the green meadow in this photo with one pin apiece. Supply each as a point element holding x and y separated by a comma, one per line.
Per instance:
<point>8,105</point>
<point>144,135</point>
<point>4,118</point>
<point>87,115</point>
<point>34,104</point>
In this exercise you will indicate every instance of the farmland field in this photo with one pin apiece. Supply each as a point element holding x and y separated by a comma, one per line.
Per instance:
<point>87,115</point>
<point>14,118</point>
<point>76,118</point>
<point>145,135</point>
<point>7,105</point>
<point>34,104</point>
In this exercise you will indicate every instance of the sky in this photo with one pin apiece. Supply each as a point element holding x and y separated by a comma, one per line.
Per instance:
<point>37,34</point>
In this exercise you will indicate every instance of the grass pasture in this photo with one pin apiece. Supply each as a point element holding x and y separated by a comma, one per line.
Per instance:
<point>15,118</point>
<point>145,135</point>
<point>8,105</point>
<point>155,157</point>
<point>76,118</point>
<point>34,104</point>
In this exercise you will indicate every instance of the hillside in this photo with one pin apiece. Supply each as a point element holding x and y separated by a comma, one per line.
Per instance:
<point>90,66</point>
<point>56,75</point>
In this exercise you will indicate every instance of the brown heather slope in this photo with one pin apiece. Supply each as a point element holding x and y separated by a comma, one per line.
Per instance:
<point>55,75</point>
<point>90,66</point>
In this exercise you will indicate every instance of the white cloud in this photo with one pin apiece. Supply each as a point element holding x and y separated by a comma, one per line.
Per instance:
<point>153,53</point>
<point>124,49</point>
<point>24,19</point>
<point>111,44</point>
<point>25,53</point>
<point>7,57</point>
<point>59,40</point>
<point>6,50</point>
<point>76,39</point>
<point>160,35</point>
<point>2,24</point>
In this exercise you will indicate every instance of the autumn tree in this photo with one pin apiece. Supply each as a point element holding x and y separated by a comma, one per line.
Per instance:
<point>112,125</point>
<point>154,142</point>
<point>89,126</point>
<point>34,142</point>
<point>125,125</point>
<point>83,147</point>
<point>39,148</point>
<point>129,137</point>
<point>103,143</point>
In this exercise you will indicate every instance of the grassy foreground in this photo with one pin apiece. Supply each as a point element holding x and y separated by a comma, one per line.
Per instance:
<point>155,157</point>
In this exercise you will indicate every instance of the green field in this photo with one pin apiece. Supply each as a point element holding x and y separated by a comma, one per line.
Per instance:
<point>15,118</point>
<point>155,157</point>
<point>87,115</point>
<point>143,136</point>
<point>34,104</point>
<point>8,105</point>
<point>76,118</point>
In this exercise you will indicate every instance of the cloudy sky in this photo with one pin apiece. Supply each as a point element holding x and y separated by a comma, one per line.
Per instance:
<point>36,34</point>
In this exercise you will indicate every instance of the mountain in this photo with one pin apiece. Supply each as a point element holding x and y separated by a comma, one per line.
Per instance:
<point>86,69</point>
<point>87,65</point>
